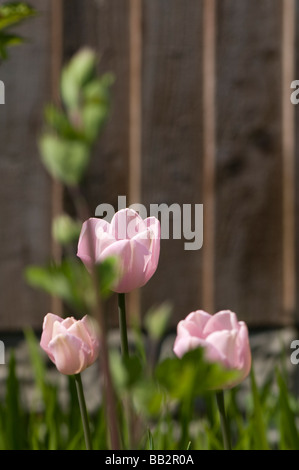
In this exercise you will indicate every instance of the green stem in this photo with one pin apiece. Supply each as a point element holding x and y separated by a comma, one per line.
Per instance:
<point>83,411</point>
<point>223,420</point>
<point>123,324</point>
<point>125,353</point>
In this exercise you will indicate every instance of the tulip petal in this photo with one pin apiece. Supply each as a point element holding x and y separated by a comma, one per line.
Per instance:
<point>132,256</point>
<point>225,343</point>
<point>58,329</point>
<point>199,318</point>
<point>80,331</point>
<point>136,242</point>
<point>244,359</point>
<point>188,328</point>
<point>46,337</point>
<point>87,245</point>
<point>224,320</point>
<point>223,338</point>
<point>92,330</point>
<point>155,235</point>
<point>126,223</point>
<point>69,353</point>
<point>183,345</point>
<point>69,321</point>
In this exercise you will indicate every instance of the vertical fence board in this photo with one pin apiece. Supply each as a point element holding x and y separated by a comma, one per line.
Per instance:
<point>209,152</point>
<point>103,25</point>
<point>25,191</point>
<point>288,157</point>
<point>249,164</point>
<point>296,111</point>
<point>172,139</point>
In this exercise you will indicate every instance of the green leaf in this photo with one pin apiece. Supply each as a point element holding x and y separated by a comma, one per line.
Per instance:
<point>126,371</point>
<point>14,420</point>
<point>71,282</point>
<point>8,40</point>
<point>108,271</point>
<point>288,429</point>
<point>52,279</point>
<point>192,375</point>
<point>68,281</point>
<point>156,320</point>
<point>65,159</point>
<point>76,74</point>
<point>94,117</point>
<point>37,363</point>
<point>13,13</point>
<point>59,122</point>
<point>65,229</point>
<point>98,90</point>
<point>148,398</point>
<point>259,428</point>
<point>151,445</point>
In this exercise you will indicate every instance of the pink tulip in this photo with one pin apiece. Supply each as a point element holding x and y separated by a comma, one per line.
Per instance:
<point>224,339</point>
<point>134,241</point>
<point>71,344</point>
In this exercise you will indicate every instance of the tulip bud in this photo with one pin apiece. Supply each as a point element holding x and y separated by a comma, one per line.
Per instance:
<point>71,344</point>
<point>224,339</point>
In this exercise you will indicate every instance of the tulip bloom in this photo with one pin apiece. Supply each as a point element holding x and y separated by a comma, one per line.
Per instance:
<point>224,339</point>
<point>71,344</point>
<point>133,241</point>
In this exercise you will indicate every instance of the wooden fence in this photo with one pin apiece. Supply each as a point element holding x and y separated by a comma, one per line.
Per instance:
<point>201,115</point>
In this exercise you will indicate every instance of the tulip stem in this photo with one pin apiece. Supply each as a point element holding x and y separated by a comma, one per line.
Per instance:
<point>123,325</point>
<point>223,420</point>
<point>83,411</point>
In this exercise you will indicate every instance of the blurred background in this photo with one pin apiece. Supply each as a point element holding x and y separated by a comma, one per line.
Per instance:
<point>201,114</point>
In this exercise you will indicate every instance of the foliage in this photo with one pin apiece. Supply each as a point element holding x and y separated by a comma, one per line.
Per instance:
<point>12,14</point>
<point>262,417</point>
<point>70,133</point>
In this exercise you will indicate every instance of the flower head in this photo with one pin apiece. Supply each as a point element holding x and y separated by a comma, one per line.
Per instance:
<point>133,241</point>
<point>223,338</point>
<point>71,344</point>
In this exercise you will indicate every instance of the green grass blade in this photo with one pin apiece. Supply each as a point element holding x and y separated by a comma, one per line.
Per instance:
<point>259,430</point>
<point>288,429</point>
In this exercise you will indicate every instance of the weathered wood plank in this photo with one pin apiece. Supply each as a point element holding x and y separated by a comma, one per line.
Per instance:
<point>296,173</point>
<point>249,272</point>
<point>25,191</point>
<point>103,25</point>
<point>172,139</point>
<point>288,157</point>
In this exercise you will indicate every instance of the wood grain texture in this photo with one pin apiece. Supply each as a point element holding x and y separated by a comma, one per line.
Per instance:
<point>288,156</point>
<point>209,151</point>
<point>296,112</point>
<point>248,266</point>
<point>172,139</point>
<point>25,190</point>
<point>103,25</point>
